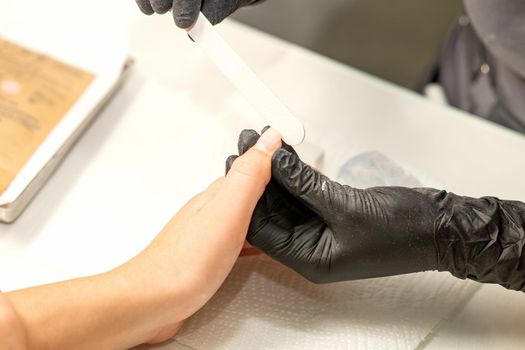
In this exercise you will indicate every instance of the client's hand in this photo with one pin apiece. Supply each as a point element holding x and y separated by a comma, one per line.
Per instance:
<point>146,299</point>
<point>195,252</point>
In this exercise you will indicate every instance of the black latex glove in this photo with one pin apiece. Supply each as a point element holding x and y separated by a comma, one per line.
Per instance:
<point>330,232</point>
<point>185,12</point>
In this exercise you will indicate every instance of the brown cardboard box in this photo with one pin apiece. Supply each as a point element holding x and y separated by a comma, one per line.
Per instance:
<point>36,94</point>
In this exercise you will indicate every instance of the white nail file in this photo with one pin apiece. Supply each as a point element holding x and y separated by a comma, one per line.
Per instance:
<point>274,112</point>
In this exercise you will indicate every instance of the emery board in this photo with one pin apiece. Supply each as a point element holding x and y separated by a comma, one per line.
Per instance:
<point>268,106</point>
<point>43,111</point>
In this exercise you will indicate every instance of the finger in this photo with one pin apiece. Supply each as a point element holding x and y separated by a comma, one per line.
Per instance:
<point>306,184</point>
<point>275,240</point>
<point>285,145</point>
<point>303,249</point>
<point>229,162</point>
<point>248,177</point>
<point>161,6</point>
<point>249,137</point>
<point>185,12</point>
<point>217,10</point>
<point>145,7</point>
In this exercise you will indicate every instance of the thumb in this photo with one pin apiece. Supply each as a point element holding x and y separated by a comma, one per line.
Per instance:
<point>249,174</point>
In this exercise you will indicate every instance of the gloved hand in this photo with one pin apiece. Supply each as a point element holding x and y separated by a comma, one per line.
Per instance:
<point>330,232</point>
<point>185,12</point>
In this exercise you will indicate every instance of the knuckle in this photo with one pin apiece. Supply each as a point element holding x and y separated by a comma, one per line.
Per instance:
<point>243,167</point>
<point>249,167</point>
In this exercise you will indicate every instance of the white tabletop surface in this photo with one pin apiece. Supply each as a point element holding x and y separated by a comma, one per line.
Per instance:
<point>166,134</point>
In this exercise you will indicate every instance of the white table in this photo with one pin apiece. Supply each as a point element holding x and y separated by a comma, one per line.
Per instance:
<point>166,134</point>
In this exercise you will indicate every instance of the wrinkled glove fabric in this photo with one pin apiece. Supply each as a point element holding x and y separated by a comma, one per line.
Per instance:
<point>330,232</point>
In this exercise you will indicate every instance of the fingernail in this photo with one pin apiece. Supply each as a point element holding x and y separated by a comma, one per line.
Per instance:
<point>269,142</point>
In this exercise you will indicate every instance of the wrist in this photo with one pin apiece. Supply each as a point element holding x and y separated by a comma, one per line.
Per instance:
<point>106,311</point>
<point>429,210</point>
<point>482,239</point>
<point>154,285</point>
<point>12,329</point>
<point>408,241</point>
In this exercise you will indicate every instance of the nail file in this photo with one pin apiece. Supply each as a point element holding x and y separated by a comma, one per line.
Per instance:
<point>270,108</point>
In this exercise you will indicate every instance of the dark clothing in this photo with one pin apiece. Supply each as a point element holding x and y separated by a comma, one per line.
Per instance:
<point>482,64</point>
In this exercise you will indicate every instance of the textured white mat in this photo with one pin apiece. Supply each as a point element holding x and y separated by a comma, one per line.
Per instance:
<point>264,305</point>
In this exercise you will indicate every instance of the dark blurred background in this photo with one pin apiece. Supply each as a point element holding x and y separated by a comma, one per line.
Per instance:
<point>393,39</point>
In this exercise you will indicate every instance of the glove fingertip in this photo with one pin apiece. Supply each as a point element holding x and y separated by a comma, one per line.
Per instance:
<point>145,7</point>
<point>161,6</point>
<point>211,14</point>
<point>229,162</point>
<point>247,139</point>
<point>185,12</point>
<point>183,21</point>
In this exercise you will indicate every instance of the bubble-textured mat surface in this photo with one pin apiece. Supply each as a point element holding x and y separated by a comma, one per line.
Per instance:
<point>264,305</point>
